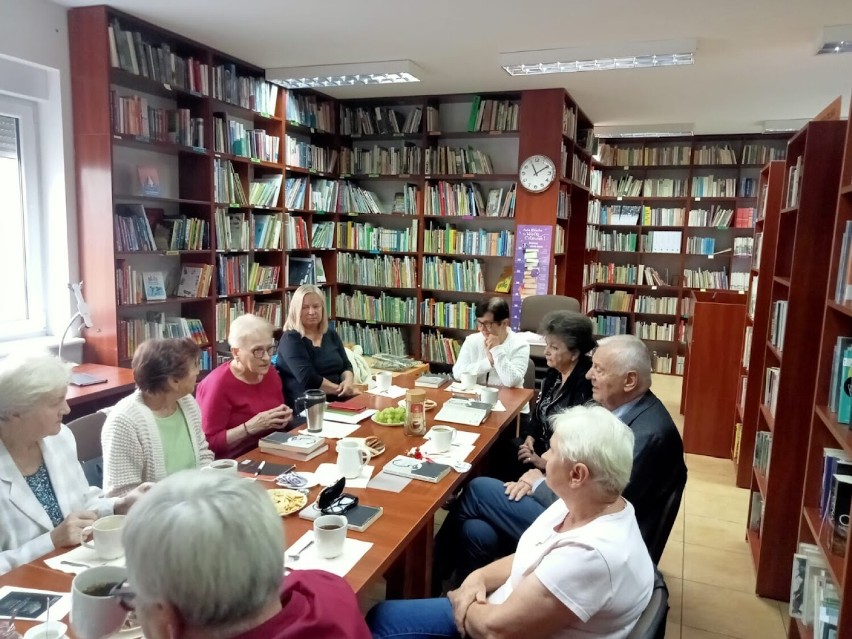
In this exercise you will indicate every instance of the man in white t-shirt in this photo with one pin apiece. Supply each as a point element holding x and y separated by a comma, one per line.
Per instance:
<point>495,354</point>
<point>580,570</point>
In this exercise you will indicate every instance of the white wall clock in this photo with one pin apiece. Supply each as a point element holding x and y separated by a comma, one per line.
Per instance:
<point>537,173</point>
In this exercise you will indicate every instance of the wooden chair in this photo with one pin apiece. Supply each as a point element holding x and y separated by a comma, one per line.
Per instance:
<point>87,433</point>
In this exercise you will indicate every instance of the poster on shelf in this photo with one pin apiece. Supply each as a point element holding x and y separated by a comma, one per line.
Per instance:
<point>532,266</point>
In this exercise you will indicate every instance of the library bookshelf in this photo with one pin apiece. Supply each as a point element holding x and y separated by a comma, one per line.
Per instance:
<point>758,316</point>
<point>833,320</point>
<point>403,250</point>
<point>787,377</point>
<point>678,206</point>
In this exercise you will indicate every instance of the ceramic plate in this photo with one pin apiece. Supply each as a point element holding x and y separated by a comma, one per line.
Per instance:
<point>309,479</point>
<point>387,423</point>
<point>287,501</point>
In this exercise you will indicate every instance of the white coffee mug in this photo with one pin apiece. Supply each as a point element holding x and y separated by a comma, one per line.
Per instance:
<point>488,395</point>
<point>468,381</point>
<point>352,456</point>
<point>94,616</point>
<point>223,465</point>
<point>106,534</point>
<point>383,381</point>
<point>330,535</point>
<point>442,438</point>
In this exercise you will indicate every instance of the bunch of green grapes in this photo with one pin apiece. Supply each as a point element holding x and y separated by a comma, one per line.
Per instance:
<point>390,415</point>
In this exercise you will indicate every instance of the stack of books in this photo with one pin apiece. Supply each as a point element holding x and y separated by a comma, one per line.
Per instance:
<point>296,446</point>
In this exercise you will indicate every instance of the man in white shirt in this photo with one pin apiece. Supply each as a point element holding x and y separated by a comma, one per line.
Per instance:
<point>495,354</point>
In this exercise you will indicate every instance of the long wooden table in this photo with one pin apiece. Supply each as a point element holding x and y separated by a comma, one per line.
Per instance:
<point>401,537</point>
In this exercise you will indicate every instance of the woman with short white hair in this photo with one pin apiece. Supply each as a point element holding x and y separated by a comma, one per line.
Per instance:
<point>45,500</point>
<point>240,402</point>
<point>581,569</point>
<point>311,355</point>
<point>204,559</point>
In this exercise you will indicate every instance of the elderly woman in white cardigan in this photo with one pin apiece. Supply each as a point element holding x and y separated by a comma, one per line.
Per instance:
<point>156,431</point>
<point>45,500</point>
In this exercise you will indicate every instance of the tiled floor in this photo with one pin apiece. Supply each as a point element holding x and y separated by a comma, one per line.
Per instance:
<point>707,564</point>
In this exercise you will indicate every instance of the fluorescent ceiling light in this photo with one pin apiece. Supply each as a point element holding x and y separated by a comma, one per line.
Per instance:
<point>836,39</point>
<point>345,75</point>
<point>783,126</point>
<point>608,57</point>
<point>645,130</point>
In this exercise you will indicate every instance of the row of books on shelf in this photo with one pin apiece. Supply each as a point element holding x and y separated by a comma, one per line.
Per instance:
<point>762,451</point>
<point>305,270</point>
<point>770,388</point>
<point>680,154</point>
<point>604,325</point>
<point>633,215</point>
<point>372,308</point>
<point>239,231</point>
<point>435,347</point>
<point>296,234</point>
<point>447,160</point>
<point>741,392</point>
<point>448,239</point>
<point>621,301</point>
<point>309,156</point>
<point>663,332</point>
<point>651,242</point>
<point>752,296</point>
<point>579,169</point>
<point>380,160</point>
<point>232,136</point>
<point>133,332</point>
<point>611,273</point>
<point>386,271</point>
<point>342,196</point>
<point>227,187</point>
<point>747,336</point>
<point>700,186</point>
<point>814,598</point>
<point>369,237</point>
<point>264,191</point>
<point>229,310</point>
<point>743,246</point>
<point>460,315</point>
<point>667,364</point>
<point>840,389</point>
<point>135,287</point>
<point>778,324</point>
<point>843,279</point>
<point>309,111</point>
<point>453,275</point>
<point>453,199</point>
<point>492,115</point>
<point>383,120</point>
<point>721,217</point>
<point>236,274</point>
<point>387,339</point>
<point>794,183</point>
<point>139,54</point>
<point>133,115</point>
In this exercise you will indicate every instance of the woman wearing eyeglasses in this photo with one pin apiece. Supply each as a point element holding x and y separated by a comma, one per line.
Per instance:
<point>240,401</point>
<point>156,431</point>
<point>310,354</point>
<point>494,353</point>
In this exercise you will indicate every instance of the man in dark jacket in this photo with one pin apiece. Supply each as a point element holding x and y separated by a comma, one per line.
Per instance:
<point>491,516</point>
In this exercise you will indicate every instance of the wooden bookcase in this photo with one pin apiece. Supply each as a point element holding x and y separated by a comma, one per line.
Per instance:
<point>800,276</point>
<point>769,210</point>
<point>832,320</point>
<point>645,159</point>
<point>106,176</point>
<point>716,316</point>
<point>107,165</point>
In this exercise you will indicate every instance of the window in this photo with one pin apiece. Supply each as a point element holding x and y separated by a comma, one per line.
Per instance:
<point>22,290</point>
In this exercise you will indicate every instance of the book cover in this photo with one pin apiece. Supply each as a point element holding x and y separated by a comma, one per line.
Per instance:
<point>149,180</point>
<point>299,443</point>
<point>430,381</point>
<point>269,471</point>
<point>300,270</point>
<point>191,277</point>
<point>155,285</point>
<point>358,518</point>
<point>412,468</point>
<point>289,454</point>
<point>354,405</point>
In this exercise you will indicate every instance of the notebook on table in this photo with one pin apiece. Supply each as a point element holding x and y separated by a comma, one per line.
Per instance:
<point>423,470</point>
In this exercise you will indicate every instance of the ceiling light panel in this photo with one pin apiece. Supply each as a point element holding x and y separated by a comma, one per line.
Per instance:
<point>345,75</point>
<point>836,39</point>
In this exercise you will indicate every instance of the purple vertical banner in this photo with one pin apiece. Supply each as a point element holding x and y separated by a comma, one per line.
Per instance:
<point>533,262</point>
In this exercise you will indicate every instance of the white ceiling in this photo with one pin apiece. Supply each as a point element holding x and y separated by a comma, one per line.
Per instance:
<point>755,58</point>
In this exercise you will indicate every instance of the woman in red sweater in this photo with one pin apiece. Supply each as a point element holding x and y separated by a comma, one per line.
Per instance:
<point>240,402</point>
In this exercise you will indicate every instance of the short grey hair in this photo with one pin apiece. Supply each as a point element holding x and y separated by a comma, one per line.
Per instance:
<point>593,436</point>
<point>26,379</point>
<point>246,326</point>
<point>630,354</point>
<point>209,545</point>
<point>573,329</point>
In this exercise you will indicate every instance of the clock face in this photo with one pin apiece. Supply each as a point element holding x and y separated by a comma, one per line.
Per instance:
<point>537,173</point>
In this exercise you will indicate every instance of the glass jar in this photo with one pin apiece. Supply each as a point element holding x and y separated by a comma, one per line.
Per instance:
<point>7,631</point>
<point>415,417</point>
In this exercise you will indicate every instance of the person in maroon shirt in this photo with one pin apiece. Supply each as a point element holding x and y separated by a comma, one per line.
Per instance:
<point>240,402</point>
<point>204,555</point>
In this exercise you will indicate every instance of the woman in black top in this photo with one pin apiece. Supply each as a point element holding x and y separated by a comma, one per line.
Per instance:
<point>310,354</point>
<point>568,340</point>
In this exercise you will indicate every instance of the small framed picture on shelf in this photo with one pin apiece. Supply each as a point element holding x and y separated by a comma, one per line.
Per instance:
<point>155,286</point>
<point>149,180</point>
